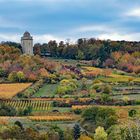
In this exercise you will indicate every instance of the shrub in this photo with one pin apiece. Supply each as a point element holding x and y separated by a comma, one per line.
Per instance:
<point>132,112</point>
<point>13,76</point>
<point>100,116</point>
<point>105,98</point>
<point>7,110</point>
<point>78,111</point>
<point>76,132</point>
<point>106,89</point>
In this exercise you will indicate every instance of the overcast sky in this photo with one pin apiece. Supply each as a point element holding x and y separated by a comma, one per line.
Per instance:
<point>63,19</point>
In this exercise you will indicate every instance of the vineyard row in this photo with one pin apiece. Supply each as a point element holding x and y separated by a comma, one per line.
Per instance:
<point>36,105</point>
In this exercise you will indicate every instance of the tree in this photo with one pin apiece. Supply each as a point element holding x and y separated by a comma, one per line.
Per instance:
<point>27,111</point>
<point>84,83</point>
<point>80,55</point>
<point>37,49</point>
<point>66,86</point>
<point>107,89</point>
<point>105,98</point>
<point>52,45</point>
<point>7,110</point>
<point>100,134</point>
<point>58,131</point>
<point>32,77</point>
<point>76,132</point>
<point>44,73</point>
<point>68,134</point>
<point>13,76</point>
<point>114,133</point>
<point>18,123</point>
<point>132,113</point>
<point>2,73</point>
<point>99,116</point>
<point>20,76</point>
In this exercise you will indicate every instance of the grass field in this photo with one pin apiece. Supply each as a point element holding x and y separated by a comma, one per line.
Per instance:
<point>46,91</point>
<point>7,91</point>
<point>130,96</point>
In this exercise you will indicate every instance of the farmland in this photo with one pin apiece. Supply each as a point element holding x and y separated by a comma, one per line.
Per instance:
<point>7,91</point>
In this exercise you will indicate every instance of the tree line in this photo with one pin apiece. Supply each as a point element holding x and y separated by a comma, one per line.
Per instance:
<point>122,55</point>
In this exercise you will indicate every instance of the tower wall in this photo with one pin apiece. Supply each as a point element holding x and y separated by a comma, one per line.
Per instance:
<point>27,43</point>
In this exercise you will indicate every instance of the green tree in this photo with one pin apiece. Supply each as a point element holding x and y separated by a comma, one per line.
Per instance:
<point>105,98</point>
<point>7,110</point>
<point>27,110</point>
<point>76,132</point>
<point>59,131</point>
<point>80,55</point>
<point>107,89</point>
<point>100,134</point>
<point>115,133</point>
<point>2,73</point>
<point>132,113</point>
<point>18,123</point>
<point>100,116</point>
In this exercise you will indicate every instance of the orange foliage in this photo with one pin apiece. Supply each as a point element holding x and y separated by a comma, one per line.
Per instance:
<point>32,77</point>
<point>44,73</point>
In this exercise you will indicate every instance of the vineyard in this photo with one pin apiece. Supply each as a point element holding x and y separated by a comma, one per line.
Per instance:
<point>7,91</point>
<point>104,106</point>
<point>62,117</point>
<point>53,118</point>
<point>37,105</point>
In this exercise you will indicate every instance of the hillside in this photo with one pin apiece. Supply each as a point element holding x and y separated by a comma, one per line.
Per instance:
<point>48,94</point>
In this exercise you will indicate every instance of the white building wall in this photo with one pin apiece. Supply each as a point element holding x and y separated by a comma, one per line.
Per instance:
<point>27,46</point>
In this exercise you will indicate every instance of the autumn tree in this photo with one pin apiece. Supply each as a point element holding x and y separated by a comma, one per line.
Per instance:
<point>100,134</point>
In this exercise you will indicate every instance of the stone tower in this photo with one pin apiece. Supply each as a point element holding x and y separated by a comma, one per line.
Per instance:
<point>27,43</point>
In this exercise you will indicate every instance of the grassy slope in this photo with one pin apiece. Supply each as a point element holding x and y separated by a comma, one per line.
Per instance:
<point>46,90</point>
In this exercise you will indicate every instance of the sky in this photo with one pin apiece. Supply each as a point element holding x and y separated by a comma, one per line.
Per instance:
<point>70,19</point>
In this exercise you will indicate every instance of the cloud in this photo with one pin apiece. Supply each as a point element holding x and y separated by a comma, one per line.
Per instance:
<point>108,31</point>
<point>9,37</point>
<point>119,36</point>
<point>133,13</point>
<point>45,38</point>
<point>37,38</point>
<point>96,28</point>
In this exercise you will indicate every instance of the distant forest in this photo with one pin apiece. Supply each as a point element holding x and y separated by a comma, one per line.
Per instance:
<point>124,55</point>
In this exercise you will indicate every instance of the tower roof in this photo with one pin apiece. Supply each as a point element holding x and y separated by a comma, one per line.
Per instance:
<point>26,34</point>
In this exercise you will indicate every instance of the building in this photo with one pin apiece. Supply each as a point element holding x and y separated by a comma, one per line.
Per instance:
<point>27,43</point>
